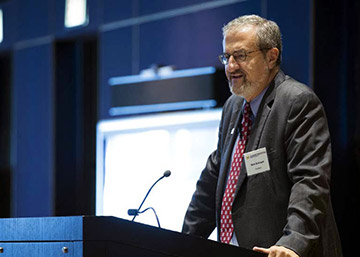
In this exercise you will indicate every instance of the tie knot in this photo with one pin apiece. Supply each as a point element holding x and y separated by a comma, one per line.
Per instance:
<point>247,109</point>
<point>246,121</point>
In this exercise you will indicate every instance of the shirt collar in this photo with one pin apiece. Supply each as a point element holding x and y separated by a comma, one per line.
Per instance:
<point>255,103</point>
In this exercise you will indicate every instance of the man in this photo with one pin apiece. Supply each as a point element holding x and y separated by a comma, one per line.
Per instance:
<point>275,200</point>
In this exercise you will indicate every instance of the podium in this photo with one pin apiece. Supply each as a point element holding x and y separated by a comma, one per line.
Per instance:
<point>91,236</point>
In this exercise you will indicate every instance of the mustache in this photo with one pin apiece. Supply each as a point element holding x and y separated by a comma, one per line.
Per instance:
<point>235,74</point>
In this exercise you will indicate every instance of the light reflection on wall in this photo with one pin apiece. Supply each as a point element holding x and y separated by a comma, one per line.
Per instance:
<point>76,13</point>
<point>1,26</point>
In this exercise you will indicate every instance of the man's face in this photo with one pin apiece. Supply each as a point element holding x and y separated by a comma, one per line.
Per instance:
<point>249,77</point>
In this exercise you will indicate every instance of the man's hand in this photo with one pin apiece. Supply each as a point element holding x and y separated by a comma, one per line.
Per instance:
<point>276,251</point>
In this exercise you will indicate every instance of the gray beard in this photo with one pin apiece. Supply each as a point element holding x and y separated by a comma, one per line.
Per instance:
<point>246,89</point>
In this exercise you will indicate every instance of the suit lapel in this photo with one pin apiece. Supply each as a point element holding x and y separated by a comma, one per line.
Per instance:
<point>260,120</point>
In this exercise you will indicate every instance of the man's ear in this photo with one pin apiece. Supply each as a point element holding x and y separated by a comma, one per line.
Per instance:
<point>272,56</point>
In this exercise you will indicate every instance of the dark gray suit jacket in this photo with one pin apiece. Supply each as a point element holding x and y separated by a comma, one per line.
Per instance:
<point>290,204</point>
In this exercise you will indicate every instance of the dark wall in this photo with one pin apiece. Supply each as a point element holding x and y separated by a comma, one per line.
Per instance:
<point>337,82</point>
<point>75,122</point>
<point>5,104</point>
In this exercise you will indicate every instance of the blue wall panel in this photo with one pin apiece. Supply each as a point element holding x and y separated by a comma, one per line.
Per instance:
<point>35,18</point>
<point>189,41</point>
<point>115,10</point>
<point>296,29</point>
<point>33,123</point>
<point>148,7</point>
<point>116,56</point>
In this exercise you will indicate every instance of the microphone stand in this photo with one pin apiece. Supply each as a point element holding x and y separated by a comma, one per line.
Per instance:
<point>137,211</point>
<point>157,218</point>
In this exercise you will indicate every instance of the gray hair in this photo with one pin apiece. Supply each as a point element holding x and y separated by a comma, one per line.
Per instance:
<point>268,32</point>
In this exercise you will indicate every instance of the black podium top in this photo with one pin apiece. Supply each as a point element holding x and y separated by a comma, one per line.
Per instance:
<point>122,236</point>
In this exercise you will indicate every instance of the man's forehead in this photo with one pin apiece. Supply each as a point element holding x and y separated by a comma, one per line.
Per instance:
<point>242,37</point>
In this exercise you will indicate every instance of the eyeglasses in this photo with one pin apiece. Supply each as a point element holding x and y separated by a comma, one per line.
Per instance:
<point>239,56</point>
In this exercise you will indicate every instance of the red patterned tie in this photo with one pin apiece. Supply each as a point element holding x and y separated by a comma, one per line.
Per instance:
<point>227,227</point>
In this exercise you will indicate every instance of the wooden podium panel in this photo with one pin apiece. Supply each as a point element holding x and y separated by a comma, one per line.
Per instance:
<point>91,236</point>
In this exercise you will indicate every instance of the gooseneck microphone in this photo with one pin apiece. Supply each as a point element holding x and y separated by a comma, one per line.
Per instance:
<point>135,212</point>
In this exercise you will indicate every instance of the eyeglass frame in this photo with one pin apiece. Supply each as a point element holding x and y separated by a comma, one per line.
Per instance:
<point>222,56</point>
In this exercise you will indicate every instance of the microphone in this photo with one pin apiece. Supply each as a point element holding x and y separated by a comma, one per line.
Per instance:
<point>167,173</point>
<point>135,212</point>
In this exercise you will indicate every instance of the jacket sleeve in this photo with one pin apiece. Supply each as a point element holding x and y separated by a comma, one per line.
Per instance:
<point>307,143</point>
<point>200,218</point>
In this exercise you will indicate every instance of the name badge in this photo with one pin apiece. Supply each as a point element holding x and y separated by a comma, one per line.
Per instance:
<point>256,161</point>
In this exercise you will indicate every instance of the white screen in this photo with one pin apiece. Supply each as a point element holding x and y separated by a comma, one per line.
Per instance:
<point>134,152</point>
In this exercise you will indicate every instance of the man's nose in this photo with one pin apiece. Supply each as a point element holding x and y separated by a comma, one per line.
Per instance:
<point>232,65</point>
